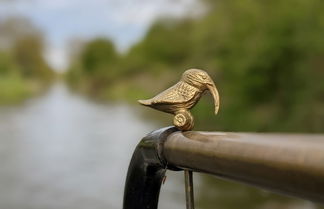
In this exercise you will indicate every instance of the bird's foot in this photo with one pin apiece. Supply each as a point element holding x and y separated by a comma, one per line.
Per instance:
<point>183,120</point>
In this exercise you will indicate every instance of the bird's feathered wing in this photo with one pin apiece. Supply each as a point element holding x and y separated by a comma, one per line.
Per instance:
<point>178,93</point>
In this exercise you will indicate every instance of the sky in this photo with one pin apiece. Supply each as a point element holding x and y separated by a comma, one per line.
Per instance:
<point>125,22</point>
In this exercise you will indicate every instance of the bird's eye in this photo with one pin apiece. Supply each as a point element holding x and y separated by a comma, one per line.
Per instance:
<point>203,77</point>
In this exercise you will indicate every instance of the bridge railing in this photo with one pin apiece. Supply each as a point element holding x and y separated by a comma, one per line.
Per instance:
<point>289,164</point>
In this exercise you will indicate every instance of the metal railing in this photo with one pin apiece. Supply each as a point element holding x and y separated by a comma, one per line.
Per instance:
<point>290,164</point>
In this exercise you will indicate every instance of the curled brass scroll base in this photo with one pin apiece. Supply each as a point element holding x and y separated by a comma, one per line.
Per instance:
<point>183,120</point>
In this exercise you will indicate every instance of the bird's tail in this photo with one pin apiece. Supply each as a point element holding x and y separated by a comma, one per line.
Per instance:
<point>144,102</point>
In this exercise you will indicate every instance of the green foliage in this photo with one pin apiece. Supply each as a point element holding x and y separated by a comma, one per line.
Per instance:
<point>23,69</point>
<point>166,43</point>
<point>98,55</point>
<point>265,50</point>
<point>266,58</point>
<point>6,64</point>
<point>28,55</point>
<point>96,67</point>
<point>12,89</point>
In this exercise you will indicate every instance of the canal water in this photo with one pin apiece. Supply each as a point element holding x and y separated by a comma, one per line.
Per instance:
<point>64,151</point>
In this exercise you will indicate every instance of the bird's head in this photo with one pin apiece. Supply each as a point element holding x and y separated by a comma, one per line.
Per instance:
<point>201,80</point>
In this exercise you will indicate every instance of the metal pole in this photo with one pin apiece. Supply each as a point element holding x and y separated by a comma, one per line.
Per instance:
<point>190,203</point>
<point>291,164</point>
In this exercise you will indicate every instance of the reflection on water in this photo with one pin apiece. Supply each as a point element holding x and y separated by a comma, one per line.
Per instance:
<point>63,151</point>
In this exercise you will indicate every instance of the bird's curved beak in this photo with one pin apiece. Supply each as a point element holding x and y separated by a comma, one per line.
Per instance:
<point>213,90</point>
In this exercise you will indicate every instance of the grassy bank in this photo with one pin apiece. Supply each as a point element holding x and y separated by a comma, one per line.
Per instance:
<point>14,89</point>
<point>23,69</point>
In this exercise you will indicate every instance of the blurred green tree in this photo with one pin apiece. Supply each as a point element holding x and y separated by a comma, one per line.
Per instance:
<point>23,69</point>
<point>266,57</point>
<point>98,56</point>
<point>28,54</point>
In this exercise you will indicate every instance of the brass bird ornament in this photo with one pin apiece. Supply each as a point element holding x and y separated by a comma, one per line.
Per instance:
<point>182,96</point>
